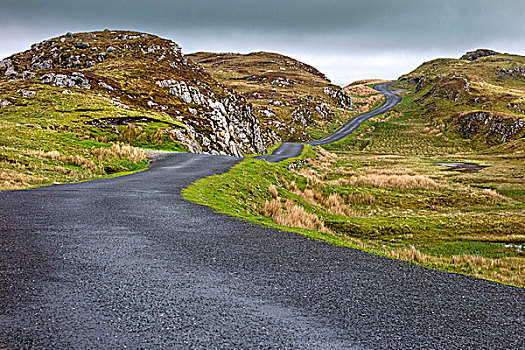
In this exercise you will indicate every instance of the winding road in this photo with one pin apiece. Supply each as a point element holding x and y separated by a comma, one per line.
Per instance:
<point>128,263</point>
<point>290,149</point>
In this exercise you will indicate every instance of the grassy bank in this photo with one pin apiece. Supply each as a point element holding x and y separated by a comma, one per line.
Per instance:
<point>47,138</point>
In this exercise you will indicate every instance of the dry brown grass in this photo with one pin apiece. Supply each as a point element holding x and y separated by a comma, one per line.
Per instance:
<point>400,182</point>
<point>17,175</point>
<point>120,151</point>
<point>12,180</point>
<point>333,202</point>
<point>273,191</point>
<point>386,117</point>
<point>494,195</point>
<point>290,214</point>
<point>324,160</point>
<point>132,133</point>
<point>77,160</point>
<point>360,89</point>
<point>314,179</point>
<point>103,139</point>
<point>359,199</point>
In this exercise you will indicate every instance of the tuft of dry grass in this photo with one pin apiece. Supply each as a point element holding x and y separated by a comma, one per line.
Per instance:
<point>333,202</point>
<point>77,160</point>
<point>273,191</point>
<point>120,151</point>
<point>359,199</point>
<point>133,133</point>
<point>494,195</point>
<point>290,214</point>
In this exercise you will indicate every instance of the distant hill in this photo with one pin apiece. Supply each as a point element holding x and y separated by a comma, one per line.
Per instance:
<point>287,96</point>
<point>479,97</point>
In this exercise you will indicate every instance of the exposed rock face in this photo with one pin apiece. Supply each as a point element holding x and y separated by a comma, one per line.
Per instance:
<point>75,80</point>
<point>187,93</point>
<point>474,55</point>
<point>341,98</point>
<point>495,128</point>
<point>233,126</point>
<point>516,72</point>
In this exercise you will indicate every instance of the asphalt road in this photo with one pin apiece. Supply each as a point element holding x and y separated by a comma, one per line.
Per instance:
<point>128,263</point>
<point>391,100</point>
<point>284,151</point>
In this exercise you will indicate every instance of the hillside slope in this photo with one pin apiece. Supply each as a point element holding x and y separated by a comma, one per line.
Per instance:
<point>480,97</point>
<point>89,90</point>
<point>290,98</point>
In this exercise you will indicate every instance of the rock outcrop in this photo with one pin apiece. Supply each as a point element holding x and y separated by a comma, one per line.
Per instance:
<point>494,128</point>
<point>474,55</point>
<point>516,72</point>
<point>231,120</point>
<point>75,80</point>
<point>341,99</point>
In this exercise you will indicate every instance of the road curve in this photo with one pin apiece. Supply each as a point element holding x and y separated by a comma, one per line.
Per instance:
<point>391,100</point>
<point>284,151</point>
<point>290,149</point>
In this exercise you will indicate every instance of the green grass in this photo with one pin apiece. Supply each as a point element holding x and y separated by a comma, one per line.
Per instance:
<point>52,121</point>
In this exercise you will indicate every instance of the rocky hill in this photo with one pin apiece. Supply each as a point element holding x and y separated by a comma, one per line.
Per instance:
<point>480,96</point>
<point>288,97</point>
<point>162,99</point>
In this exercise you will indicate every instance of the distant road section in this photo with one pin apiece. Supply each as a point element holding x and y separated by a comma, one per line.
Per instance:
<point>391,101</point>
<point>291,150</point>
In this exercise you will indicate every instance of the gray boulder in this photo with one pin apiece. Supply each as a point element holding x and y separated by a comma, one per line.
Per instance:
<point>82,45</point>
<point>76,80</point>
<point>27,93</point>
<point>4,104</point>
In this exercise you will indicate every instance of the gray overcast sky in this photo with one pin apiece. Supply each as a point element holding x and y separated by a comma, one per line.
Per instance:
<point>345,39</point>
